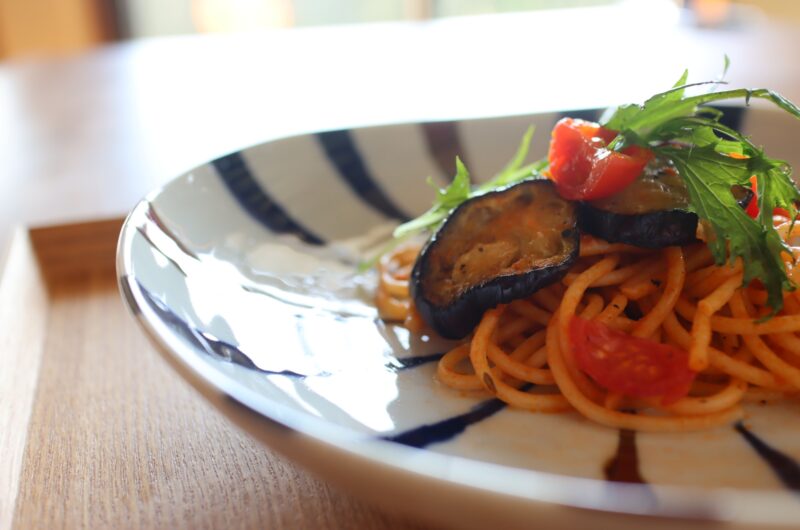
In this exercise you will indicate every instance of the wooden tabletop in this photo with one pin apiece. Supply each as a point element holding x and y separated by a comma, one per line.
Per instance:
<point>98,430</point>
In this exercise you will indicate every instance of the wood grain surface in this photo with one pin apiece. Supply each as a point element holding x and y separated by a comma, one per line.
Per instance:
<point>23,311</point>
<point>106,435</point>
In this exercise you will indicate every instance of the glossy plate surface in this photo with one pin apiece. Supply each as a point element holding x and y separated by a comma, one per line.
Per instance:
<point>243,271</point>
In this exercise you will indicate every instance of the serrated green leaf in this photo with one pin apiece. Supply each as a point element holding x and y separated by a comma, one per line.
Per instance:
<point>709,176</point>
<point>701,131</point>
<point>682,129</point>
<point>776,189</point>
<point>446,199</point>
<point>685,131</point>
<point>510,173</point>
<point>459,189</point>
<point>615,117</point>
<point>747,94</point>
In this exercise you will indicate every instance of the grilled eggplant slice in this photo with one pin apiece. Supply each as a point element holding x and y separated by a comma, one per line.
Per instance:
<point>652,212</point>
<point>491,250</point>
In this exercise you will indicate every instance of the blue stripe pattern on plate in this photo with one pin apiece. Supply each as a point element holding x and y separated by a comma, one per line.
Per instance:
<point>444,145</point>
<point>731,116</point>
<point>787,469</point>
<point>344,156</point>
<point>407,363</point>
<point>582,114</point>
<point>204,341</point>
<point>447,429</point>
<point>251,196</point>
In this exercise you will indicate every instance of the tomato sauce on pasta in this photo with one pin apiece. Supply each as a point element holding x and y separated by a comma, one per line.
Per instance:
<point>524,352</point>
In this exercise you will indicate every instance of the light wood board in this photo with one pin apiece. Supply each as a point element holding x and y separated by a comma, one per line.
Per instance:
<point>97,431</point>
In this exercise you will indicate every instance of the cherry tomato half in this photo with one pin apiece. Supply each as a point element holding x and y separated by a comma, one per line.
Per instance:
<point>583,168</point>
<point>752,208</point>
<point>629,365</point>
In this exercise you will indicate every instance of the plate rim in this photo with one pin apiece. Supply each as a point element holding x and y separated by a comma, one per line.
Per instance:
<point>727,505</point>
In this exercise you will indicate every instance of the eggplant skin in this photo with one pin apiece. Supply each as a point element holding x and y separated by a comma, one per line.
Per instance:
<point>656,229</point>
<point>456,317</point>
<point>659,229</point>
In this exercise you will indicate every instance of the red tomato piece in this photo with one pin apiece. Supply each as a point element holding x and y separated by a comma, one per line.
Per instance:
<point>629,365</point>
<point>583,168</point>
<point>753,209</point>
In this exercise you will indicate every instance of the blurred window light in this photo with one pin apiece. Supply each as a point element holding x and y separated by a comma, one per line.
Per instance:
<point>447,8</point>
<point>50,27</point>
<point>153,17</point>
<point>710,12</point>
<point>214,16</point>
<point>314,12</point>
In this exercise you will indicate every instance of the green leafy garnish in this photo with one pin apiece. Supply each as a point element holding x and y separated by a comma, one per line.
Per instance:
<point>460,190</point>
<point>708,175</point>
<point>712,158</point>
<point>446,199</point>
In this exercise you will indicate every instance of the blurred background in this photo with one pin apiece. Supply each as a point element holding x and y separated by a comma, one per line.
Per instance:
<point>57,27</point>
<point>102,101</point>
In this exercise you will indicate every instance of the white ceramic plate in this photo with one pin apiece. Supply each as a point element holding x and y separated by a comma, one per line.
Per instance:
<point>243,271</point>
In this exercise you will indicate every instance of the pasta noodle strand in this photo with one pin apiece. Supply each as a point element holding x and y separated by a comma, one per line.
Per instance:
<point>522,352</point>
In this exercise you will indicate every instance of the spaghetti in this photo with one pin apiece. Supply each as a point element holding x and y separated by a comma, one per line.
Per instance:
<point>523,352</point>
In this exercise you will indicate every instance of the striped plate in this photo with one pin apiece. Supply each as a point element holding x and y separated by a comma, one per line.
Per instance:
<point>243,272</point>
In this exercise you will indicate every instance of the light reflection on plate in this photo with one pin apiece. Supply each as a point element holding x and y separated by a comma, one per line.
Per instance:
<point>239,273</point>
